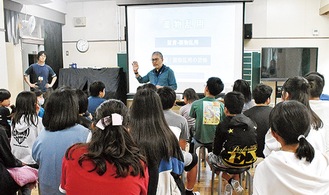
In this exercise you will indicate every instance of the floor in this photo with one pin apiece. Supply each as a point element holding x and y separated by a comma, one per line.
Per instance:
<point>204,186</point>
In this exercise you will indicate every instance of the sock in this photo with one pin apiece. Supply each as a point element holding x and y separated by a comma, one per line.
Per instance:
<point>230,181</point>
<point>189,191</point>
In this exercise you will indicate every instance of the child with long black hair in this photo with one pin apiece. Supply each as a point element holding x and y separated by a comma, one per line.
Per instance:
<point>61,131</point>
<point>297,88</point>
<point>26,126</point>
<point>158,143</point>
<point>111,163</point>
<point>243,87</point>
<point>297,168</point>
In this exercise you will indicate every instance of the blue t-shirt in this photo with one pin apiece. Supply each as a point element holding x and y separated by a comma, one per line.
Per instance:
<point>48,151</point>
<point>41,112</point>
<point>39,74</point>
<point>324,97</point>
<point>165,77</point>
<point>93,103</point>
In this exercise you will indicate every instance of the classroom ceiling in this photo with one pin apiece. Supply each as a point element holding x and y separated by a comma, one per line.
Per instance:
<point>32,2</point>
<point>83,0</point>
<point>37,2</point>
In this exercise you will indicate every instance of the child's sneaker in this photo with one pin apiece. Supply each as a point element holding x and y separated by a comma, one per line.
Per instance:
<point>228,189</point>
<point>236,186</point>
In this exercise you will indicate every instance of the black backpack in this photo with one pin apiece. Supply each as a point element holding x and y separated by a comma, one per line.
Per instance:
<point>241,144</point>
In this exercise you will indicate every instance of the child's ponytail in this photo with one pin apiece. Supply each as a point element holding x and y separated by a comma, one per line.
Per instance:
<point>305,149</point>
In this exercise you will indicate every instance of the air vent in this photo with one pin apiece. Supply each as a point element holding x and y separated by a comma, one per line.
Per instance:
<point>79,21</point>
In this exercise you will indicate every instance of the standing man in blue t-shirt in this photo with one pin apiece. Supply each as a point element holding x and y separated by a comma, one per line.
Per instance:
<point>39,74</point>
<point>160,76</point>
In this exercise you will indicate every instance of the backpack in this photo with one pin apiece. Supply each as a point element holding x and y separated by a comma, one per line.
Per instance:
<point>241,144</point>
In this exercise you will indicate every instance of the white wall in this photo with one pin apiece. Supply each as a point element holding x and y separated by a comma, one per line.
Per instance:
<point>324,7</point>
<point>15,70</point>
<point>11,64</point>
<point>276,23</point>
<point>289,23</point>
<point>3,59</point>
<point>57,5</point>
<point>104,30</point>
<point>324,2</point>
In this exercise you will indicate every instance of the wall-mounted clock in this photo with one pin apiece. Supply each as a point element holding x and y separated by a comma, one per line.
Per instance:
<point>82,45</point>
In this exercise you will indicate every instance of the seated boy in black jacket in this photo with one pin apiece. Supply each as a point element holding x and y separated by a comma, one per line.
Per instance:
<point>235,140</point>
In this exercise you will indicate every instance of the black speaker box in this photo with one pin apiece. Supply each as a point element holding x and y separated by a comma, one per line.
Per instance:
<point>247,31</point>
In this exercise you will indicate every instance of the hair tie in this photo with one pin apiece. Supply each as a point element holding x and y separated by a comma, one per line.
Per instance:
<point>115,119</point>
<point>300,137</point>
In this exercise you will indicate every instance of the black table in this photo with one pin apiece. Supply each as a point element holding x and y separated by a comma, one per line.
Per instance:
<point>81,78</point>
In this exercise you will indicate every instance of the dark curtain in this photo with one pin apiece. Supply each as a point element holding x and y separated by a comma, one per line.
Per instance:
<point>11,26</point>
<point>306,62</point>
<point>81,78</point>
<point>53,46</point>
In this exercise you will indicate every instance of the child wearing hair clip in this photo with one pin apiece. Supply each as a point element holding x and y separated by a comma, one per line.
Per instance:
<point>110,163</point>
<point>297,168</point>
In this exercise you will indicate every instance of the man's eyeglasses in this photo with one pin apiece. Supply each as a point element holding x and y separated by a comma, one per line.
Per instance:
<point>155,59</point>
